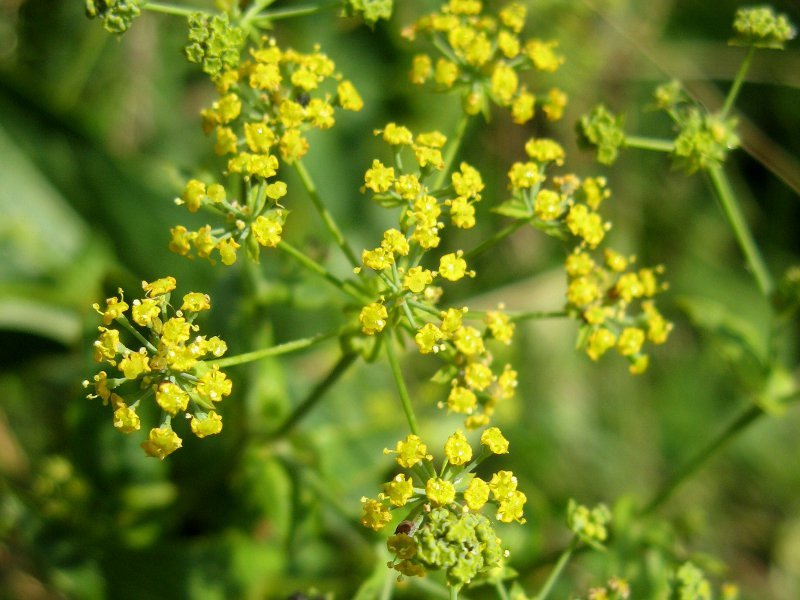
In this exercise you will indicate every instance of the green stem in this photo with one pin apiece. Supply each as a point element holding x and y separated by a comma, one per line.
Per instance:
<point>501,590</point>
<point>323,211</point>
<point>738,81</point>
<point>538,314</point>
<point>401,387</point>
<point>452,150</point>
<point>453,592</point>
<point>736,220</point>
<point>314,396</point>
<point>288,13</point>
<point>172,9</point>
<point>648,143</point>
<point>285,348</point>
<point>315,267</point>
<point>748,415</point>
<point>557,569</point>
<point>495,239</point>
<point>123,320</point>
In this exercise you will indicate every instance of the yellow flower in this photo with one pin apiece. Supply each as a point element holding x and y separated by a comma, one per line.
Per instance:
<point>210,424</point>
<point>373,318</point>
<point>543,56</point>
<point>134,364</point>
<point>259,137</point>
<point>126,420</point>
<point>468,340</point>
<point>545,150</point>
<point>478,376</point>
<point>395,242</point>
<point>502,484</point>
<point>172,398</point>
<point>399,490</point>
<point>476,494</point>
<point>376,514</point>
<point>410,451</point>
<point>159,287</point>
<point>427,338</point>
<point>106,345</point>
<point>420,69</point>
<point>379,178</point>
<point>504,84</point>
<point>349,98</point>
<point>461,400</point>
<point>267,231</point>
<point>494,440</point>
<point>511,506</point>
<point>162,442</point>
<point>630,341</point>
<point>396,135</point>
<point>195,302</point>
<point>467,181</point>
<point>227,250</point>
<point>452,267</point>
<point>145,311</point>
<point>439,491</point>
<point>600,341</point>
<point>417,279</point>
<point>115,308</point>
<point>500,326</point>
<point>214,385</point>
<point>548,205</point>
<point>457,449</point>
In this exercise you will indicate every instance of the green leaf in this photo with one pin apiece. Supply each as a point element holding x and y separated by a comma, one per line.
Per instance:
<point>514,208</point>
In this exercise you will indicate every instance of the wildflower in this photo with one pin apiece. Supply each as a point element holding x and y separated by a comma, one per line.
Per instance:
<point>461,400</point>
<point>126,420</point>
<point>417,279</point>
<point>162,442</point>
<point>440,491</point>
<point>494,440</point>
<point>206,424</point>
<point>410,452</point>
<point>373,318</point>
<point>399,490</point>
<point>376,514</point>
<point>476,494</point>
<point>452,267</point>
<point>457,449</point>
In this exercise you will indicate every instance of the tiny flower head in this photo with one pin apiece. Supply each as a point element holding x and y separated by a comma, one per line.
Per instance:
<point>453,267</point>
<point>399,490</point>
<point>134,364</point>
<point>373,318</point>
<point>126,420</point>
<point>171,397</point>
<point>494,440</point>
<point>162,442</point>
<point>214,385</point>
<point>209,424</point>
<point>511,506</point>
<point>457,449</point>
<point>417,279</point>
<point>410,451</point>
<point>476,494</point>
<point>115,308</point>
<point>461,400</point>
<point>159,287</point>
<point>427,338</point>
<point>502,484</point>
<point>439,491</point>
<point>376,514</point>
<point>196,302</point>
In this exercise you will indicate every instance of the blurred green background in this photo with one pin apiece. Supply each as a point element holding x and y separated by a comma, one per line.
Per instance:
<point>97,136</point>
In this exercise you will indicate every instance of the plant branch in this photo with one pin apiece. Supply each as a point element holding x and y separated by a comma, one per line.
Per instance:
<point>313,266</point>
<point>285,348</point>
<point>736,220</point>
<point>452,150</point>
<point>738,81</point>
<point>172,9</point>
<point>323,211</point>
<point>315,395</point>
<point>748,415</point>
<point>401,387</point>
<point>557,569</point>
<point>494,239</point>
<point>648,143</point>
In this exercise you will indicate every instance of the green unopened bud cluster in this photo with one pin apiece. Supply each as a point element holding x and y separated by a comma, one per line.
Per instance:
<point>371,11</point>
<point>589,524</point>
<point>116,15</point>
<point>761,27</point>
<point>214,43</point>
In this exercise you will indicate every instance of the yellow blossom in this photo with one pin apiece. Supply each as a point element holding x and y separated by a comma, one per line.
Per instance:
<point>457,449</point>
<point>440,491</point>
<point>373,318</point>
<point>399,490</point>
<point>410,451</point>
<point>162,442</point>
<point>461,400</point>
<point>214,385</point>
<point>376,514</point>
<point>476,494</point>
<point>126,420</point>
<point>494,440</point>
<point>267,231</point>
<point>210,424</point>
<point>171,397</point>
<point>134,364</point>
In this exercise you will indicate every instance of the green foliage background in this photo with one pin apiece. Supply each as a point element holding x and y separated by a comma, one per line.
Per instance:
<point>98,134</point>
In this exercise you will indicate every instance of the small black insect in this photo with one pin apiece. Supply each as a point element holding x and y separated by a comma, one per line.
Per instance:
<point>302,99</point>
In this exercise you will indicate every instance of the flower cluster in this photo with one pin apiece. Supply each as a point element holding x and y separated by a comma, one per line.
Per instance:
<point>603,289</point>
<point>116,15</point>
<point>590,525</point>
<point>760,27</point>
<point>370,10</point>
<point>265,105</point>
<point>213,43</point>
<point>615,589</point>
<point>482,56</point>
<point>405,285</point>
<point>444,529</point>
<point>168,364</point>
